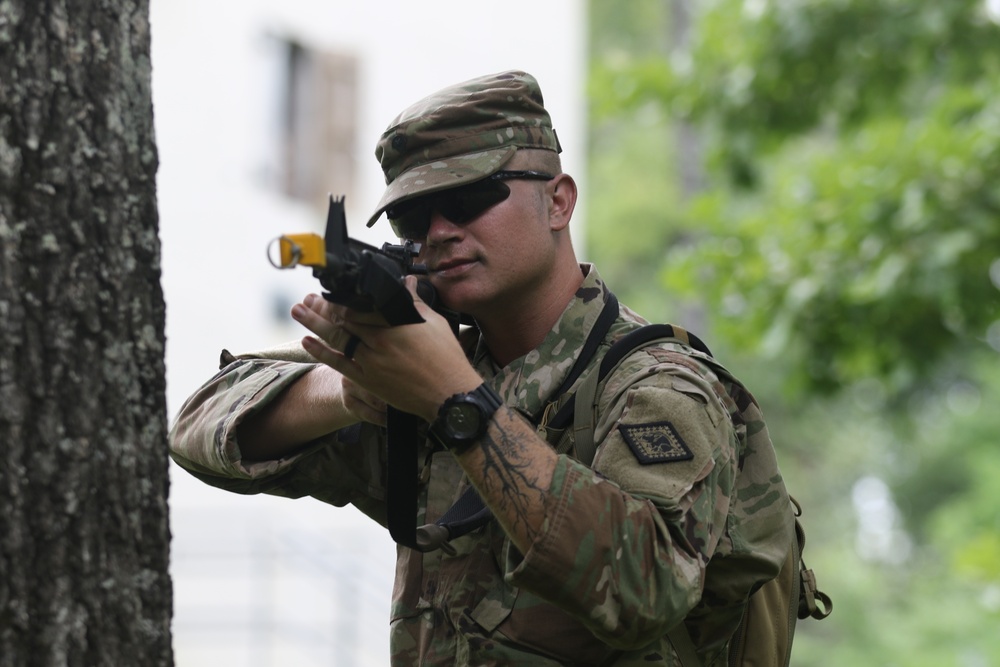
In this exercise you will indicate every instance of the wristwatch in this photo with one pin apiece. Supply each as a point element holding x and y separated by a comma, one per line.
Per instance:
<point>463,419</point>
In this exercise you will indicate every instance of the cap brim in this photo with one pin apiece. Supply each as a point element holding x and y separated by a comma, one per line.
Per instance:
<point>441,175</point>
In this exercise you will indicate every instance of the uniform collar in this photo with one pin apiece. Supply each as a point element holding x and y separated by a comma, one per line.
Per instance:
<point>528,382</point>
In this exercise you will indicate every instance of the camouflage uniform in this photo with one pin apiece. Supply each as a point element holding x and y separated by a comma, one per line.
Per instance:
<point>678,519</point>
<point>629,548</point>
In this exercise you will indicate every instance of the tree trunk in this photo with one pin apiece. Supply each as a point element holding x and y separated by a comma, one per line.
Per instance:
<point>84,540</point>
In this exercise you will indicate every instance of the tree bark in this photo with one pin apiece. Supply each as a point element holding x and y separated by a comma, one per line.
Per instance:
<point>84,539</point>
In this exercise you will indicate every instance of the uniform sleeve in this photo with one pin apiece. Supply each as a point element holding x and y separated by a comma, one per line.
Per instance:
<point>344,467</point>
<point>625,545</point>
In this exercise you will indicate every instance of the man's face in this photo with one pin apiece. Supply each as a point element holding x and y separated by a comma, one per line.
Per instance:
<point>496,259</point>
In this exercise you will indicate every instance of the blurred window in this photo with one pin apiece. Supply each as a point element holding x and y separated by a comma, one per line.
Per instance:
<point>318,122</point>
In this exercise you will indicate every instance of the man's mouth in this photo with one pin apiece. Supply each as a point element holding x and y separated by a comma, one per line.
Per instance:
<point>451,266</point>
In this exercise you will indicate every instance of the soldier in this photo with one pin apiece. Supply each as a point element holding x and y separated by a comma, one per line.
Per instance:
<point>675,519</point>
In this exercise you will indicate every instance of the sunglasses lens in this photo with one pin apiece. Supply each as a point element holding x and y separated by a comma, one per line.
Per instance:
<point>412,219</point>
<point>409,220</point>
<point>464,204</point>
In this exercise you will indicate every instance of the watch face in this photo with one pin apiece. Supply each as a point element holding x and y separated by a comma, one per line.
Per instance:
<point>462,420</point>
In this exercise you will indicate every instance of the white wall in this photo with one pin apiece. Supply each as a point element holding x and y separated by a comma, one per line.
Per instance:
<point>264,581</point>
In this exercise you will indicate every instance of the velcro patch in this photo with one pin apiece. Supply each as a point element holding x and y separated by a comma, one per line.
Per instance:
<point>655,443</point>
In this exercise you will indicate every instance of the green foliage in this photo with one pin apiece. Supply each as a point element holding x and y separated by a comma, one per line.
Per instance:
<point>636,160</point>
<point>851,209</point>
<point>959,443</point>
<point>873,252</point>
<point>933,596</point>
<point>762,70</point>
<point>842,256</point>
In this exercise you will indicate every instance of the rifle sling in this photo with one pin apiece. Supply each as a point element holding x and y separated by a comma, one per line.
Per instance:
<point>401,475</point>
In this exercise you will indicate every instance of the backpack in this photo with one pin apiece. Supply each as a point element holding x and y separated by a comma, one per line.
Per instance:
<point>764,636</point>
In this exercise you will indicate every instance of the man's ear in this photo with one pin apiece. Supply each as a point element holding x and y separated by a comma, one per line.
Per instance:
<point>562,200</point>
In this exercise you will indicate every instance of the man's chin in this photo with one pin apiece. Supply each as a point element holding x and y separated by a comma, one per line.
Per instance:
<point>459,299</point>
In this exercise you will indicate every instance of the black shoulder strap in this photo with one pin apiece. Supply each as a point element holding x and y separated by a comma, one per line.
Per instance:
<point>625,346</point>
<point>608,316</point>
<point>635,339</point>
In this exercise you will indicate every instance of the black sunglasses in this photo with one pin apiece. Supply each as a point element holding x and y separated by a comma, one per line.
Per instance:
<point>411,219</point>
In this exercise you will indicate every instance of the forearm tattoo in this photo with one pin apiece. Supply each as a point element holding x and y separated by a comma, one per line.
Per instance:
<point>510,476</point>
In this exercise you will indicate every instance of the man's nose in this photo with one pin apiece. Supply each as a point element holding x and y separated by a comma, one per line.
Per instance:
<point>441,229</point>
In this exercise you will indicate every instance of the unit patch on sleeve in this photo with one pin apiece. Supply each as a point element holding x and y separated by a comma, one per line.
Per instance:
<point>655,443</point>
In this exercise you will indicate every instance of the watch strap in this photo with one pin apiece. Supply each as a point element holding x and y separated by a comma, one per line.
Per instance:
<point>483,397</point>
<point>490,398</point>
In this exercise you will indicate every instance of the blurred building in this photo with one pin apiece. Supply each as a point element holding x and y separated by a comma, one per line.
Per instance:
<point>262,109</point>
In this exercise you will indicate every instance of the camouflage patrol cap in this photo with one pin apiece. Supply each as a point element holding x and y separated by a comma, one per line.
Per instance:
<point>461,134</point>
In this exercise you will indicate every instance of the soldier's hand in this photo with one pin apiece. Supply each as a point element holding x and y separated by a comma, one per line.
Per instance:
<point>413,367</point>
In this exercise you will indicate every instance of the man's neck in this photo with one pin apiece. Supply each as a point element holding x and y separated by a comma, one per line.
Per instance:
<point>514,331</point>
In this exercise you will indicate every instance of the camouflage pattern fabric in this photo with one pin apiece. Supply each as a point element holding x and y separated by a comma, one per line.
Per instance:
<point>679,518</point>
<point>461,134</point>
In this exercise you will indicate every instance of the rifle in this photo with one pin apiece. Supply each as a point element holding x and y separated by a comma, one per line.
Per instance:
<point>358,275</point>
<point>365,278</point>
